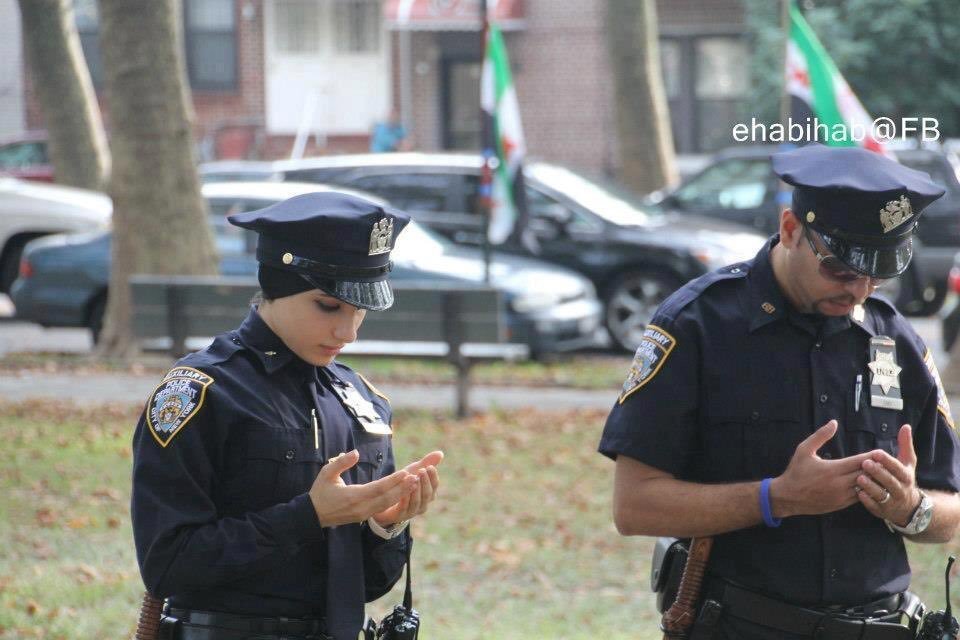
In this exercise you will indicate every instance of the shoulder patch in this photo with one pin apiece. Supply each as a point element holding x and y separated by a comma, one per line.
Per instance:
<point>372,388</point>
<point>175,401</point>
<point>943,405</point>
<point>654,349</point>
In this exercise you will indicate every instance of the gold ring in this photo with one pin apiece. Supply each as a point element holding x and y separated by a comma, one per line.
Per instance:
<point>886,496</point>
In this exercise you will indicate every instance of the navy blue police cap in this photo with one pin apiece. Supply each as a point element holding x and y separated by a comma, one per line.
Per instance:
<point>336,242</point>
<point>865,206</point>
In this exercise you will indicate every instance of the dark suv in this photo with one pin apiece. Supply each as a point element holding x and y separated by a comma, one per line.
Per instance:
<point>634,256</point>
<point>739,185</point>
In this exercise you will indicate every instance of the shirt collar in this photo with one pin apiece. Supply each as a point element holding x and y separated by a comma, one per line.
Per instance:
<point>257,336</point>
<point>766,302</point>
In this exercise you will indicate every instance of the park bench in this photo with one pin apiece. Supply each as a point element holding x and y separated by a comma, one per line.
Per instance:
<point>460,324</point>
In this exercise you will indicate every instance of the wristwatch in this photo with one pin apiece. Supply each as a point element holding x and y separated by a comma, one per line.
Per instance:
<point>920,519</point>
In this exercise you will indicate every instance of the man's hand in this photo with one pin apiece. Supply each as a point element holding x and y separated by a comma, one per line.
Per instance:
<point>812,485</point>
<point>339,503</point>
<point>888,485</point>
<point>416,501</point>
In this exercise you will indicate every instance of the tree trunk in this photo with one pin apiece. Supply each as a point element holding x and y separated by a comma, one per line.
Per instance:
<point>77,144</point>
<point>647,160</point>
<point>159,219</point>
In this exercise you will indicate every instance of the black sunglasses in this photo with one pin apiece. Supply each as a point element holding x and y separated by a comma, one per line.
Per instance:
<point>832,268</point>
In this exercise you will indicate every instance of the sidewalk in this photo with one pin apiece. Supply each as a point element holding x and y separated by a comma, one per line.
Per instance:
<point>126,388</point>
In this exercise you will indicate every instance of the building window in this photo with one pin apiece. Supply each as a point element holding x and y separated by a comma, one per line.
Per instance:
<point>210,29</point>
<point>210,40</point>
<point>297,26</point>
<point>357,25</point>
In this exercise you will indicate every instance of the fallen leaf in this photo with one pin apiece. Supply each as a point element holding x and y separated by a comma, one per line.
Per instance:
<point>45,517</point>
<point>32,608</point>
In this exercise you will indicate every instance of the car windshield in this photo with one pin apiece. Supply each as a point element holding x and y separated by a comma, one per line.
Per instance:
<point>940,171</point>
<point>736,183</point>
<point>611,202</point>
<point>418,242</point>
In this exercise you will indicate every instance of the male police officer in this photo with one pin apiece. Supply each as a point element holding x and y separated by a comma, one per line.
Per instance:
<point>777,406</point>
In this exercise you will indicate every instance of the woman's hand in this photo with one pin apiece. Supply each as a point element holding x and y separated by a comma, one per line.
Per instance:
<point>339,503</point>
<point>416,501</point>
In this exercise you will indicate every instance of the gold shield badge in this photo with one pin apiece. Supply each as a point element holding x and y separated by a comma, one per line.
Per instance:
<point>381,236</point>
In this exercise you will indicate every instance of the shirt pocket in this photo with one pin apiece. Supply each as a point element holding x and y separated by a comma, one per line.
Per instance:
<point>374,454</point>
<point>873,427</point>
<point>750,432</point>
<point>274,466</point>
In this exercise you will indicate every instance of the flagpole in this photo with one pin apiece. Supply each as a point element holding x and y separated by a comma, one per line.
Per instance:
<point>485,201</point>
<point>784,95</point>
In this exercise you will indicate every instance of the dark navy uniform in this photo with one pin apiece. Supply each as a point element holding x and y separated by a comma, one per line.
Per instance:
<point>730,378</point>
<point>226,451</point>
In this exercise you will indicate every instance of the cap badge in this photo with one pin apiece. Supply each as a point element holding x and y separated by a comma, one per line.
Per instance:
<point>380,237</point>
<point>895,213</point>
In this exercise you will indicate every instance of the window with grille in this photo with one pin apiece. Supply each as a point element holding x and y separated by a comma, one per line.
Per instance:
<point>357,26</point>
<point>297,26</point>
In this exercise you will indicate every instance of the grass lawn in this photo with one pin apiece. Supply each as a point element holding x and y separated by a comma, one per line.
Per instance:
<point>519,545</point>
<point>583,371</point>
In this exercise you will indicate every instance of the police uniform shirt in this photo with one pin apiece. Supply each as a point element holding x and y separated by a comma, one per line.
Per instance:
<point>224,457</point>
<point>729,379</point>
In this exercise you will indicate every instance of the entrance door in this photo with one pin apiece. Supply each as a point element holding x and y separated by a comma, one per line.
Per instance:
<point>461,103</point>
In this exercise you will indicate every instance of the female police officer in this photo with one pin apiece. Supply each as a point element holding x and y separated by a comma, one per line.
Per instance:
<point>265,502</point>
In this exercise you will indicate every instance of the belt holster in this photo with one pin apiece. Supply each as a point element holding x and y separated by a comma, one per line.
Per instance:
<point>707,620</point>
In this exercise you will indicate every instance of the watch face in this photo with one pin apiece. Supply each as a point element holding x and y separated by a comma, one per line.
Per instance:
<point>924,514</point>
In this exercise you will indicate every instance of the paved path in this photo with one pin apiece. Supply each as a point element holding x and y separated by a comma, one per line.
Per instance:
<point>124,387</point>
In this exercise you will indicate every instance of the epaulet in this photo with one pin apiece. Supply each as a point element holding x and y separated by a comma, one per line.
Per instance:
<point>373,388</point>
<point>349,372</point>
<point>686,294</point>
<point>878,301</point>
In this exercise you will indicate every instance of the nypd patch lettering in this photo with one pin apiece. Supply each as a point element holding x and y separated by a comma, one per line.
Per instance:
<point>654,349</point>
<point>884,374</point>
<point>175,401</point>
<point>943,405</point>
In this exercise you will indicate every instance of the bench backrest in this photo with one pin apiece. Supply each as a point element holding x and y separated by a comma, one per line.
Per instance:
<point>182,307</point>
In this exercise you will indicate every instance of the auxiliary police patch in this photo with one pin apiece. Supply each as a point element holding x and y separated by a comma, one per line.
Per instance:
<point>943,405</point>
<point>655,347</point>
<point>173,403</point>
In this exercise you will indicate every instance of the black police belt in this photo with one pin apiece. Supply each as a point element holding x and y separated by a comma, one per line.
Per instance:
<point>873,621</point>
<point>282,627</point>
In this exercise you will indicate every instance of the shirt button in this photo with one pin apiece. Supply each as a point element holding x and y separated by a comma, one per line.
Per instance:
<point>823,398</point>
<point>833,573</point>
<point>818,344</point>
<point>290,454</point>
<point>883,427</point>
<point>755,416</point>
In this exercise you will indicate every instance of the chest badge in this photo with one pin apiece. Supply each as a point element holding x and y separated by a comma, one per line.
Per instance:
<point>361,408</point>
<point>884,374</point>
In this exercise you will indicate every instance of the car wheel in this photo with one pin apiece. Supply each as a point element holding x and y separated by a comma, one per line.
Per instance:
<point>631,302</point>
<point>95,318</point>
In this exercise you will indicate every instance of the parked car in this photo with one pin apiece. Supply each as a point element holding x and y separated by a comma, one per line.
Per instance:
<point>26,157</point>
<point>950,311</point>
<point>634,257</point>
<point>29,210</point>
<point>64,278</point>
<point>739,185</point>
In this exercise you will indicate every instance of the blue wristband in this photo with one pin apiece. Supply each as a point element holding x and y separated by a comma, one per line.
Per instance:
<point>765,509</point>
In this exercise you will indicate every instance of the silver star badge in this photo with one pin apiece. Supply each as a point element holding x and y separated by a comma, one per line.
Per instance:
<point>886,371</point>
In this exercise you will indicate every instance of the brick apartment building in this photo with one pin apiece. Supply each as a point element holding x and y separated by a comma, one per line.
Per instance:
<point>262,70</point>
